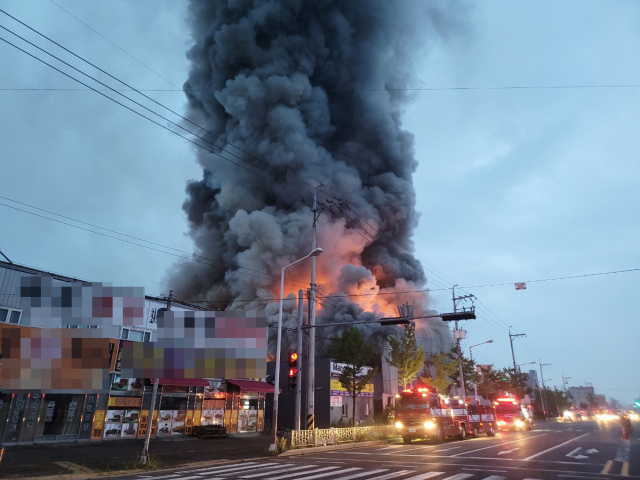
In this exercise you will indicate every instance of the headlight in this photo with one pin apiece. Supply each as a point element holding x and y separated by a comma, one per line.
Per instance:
<point>399,425</point>
<point>519,423</point>
<point>501,422</point>
<point>429,425</point>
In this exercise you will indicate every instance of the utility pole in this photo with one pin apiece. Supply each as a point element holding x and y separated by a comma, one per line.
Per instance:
<point>145,449</point>
<point>544,398</point>
<point>296,425</point>
<point>564,382</point>
<point>311,374</point>
<point>513,356</point>
<point>457,336</point>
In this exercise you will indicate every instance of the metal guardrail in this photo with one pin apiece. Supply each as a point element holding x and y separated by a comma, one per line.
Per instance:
<point>335,436</point>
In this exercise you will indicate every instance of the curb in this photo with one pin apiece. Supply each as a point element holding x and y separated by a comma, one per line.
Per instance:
<point>327,448</point>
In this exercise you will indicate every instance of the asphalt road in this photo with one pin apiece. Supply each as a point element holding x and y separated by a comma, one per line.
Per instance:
<point>585,450</point>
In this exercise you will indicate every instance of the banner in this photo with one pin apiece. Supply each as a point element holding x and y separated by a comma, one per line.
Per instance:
<point>125,402</point>
<point>338,389</point>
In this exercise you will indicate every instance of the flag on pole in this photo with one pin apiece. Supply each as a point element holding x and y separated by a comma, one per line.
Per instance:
<point>521,286</point>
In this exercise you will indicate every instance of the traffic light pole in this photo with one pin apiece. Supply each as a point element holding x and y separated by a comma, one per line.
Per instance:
<point>544,398</point>
<point>299,351</point>
<point>513,356</point>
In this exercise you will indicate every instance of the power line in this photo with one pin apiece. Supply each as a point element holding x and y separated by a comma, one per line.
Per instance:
<point>333,90</point>
<point>117,46</point>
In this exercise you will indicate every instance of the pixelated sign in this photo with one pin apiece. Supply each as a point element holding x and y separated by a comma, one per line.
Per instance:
<point>54,360</point>
<point>50,305</point>
<point>201,344</point>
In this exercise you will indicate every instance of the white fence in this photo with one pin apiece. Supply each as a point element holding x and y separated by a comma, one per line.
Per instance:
<point>334,436</point>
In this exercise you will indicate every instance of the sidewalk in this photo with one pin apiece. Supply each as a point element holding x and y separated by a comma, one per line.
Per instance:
<point>87,460</point>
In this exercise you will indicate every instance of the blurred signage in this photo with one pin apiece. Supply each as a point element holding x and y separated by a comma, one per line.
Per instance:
<point>125,402</point>
<point>338,389</point>
<point>521,286</point>
<point>336,369</point>
<point>336,401</point>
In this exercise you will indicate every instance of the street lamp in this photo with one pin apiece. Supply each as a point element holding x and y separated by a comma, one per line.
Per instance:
<point>523,364</point>
<point>276,387</point>
<point>475,386</point>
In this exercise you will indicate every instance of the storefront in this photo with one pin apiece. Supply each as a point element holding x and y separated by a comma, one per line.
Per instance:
<point>245,405</point>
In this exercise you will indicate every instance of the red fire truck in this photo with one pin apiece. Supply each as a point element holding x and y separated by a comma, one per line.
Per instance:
<point>422,413</point>
<point>482,417</point>
<point>511,414</point>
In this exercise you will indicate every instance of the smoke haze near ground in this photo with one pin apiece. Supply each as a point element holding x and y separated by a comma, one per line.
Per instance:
<point>308,93</point>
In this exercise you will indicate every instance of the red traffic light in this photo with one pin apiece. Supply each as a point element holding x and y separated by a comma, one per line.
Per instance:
<point>293,357</point>
<point>292,372</point>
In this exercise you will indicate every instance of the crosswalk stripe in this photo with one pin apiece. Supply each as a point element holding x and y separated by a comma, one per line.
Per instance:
<point>391,475</point>
<point>424,476</point>
<point>494,477</point>
<point>362,474</point>
<point>460,476</point>
<point>223,470</point>
<point>159,478</point>
<point>287,469</point>
<point>230,465</point>
<point>530,479</point>
<point>323,469</point>
<point>320,475</point>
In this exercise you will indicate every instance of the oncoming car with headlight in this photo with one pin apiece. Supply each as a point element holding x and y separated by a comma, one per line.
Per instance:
<point>423,413</point>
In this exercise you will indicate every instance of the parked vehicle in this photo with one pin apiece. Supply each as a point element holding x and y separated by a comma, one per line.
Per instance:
<point>511,414</point>
<point>425,414</point>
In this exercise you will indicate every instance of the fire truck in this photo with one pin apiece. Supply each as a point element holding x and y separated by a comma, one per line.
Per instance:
<point>423,413</point>
<point>511,414</point>
<point>482,417</point>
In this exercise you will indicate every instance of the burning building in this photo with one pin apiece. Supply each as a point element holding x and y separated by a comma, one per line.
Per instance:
<point>291,95</point>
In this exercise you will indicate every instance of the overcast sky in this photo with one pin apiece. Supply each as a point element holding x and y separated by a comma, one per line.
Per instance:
<point>513,184</point>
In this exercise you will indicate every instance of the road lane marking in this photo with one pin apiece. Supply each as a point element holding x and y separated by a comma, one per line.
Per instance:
<point>424,476</point>
<point>607,467</point>
<point>625,469</point>
<point>323,469</point>
<point>504,452</point>
<point>445,449</point>
<point>391,475</point>
<point>164,476</point>
<point>408,450</point>
<point>237,470</point>
<point>230,465</point>
<point>498,445</point>
<point>288,468</point>
<point>320,475</point>
<point>459,476</point>
<point>488,469</point>
<point>494,477</point>
<point>557,446</point>
<point>362,474</point>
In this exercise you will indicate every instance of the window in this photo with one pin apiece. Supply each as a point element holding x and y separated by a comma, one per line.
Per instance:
<point>135,335</point>
<point>15,316</point>
<point>366,409</point>
<point>147,336</point>
<point>345,410</point>
<point>9,315</point>
<point>125,333</point>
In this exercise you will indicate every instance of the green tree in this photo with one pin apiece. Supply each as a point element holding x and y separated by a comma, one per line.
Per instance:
<point>351,349</point>
<point>445,365</point>
<point>488,382</point>
<point>557,401</point>
<point>514,382</point>
<point>406,356</point>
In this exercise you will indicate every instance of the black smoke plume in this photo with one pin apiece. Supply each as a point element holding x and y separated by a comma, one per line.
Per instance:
<point>308,92</point>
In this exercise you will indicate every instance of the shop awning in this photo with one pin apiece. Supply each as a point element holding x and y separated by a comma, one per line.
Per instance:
<point>182,382</point>
<point>251,385</point>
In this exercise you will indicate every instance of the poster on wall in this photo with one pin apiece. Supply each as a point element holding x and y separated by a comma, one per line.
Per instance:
<point>87,417</point>
<point>179,417</point>
<point>129,430</point>
<point>113,423</point>
<point>164,422</point>
<point>143,423</point>
<point>98,424</point>
<point>28,432</point>
<point>188,423</point>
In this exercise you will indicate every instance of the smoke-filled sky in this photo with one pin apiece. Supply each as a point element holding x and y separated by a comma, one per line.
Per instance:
<point>510,184</point>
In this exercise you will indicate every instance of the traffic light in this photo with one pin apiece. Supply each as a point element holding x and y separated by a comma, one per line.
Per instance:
<point>466,315</point>
<point>396,321</point>
<point>293,371</point>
